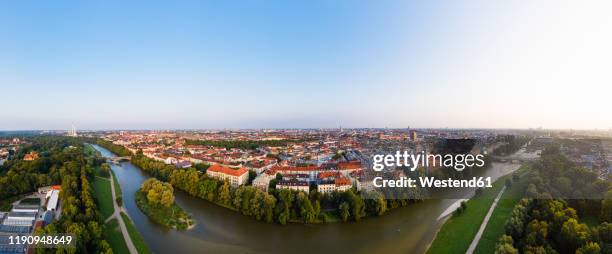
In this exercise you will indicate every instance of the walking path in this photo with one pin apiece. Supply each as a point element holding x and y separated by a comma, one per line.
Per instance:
<point>117,214</point>
<point>484,223</point>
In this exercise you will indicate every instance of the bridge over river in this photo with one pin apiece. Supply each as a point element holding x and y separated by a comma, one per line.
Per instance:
<point>117,160</point>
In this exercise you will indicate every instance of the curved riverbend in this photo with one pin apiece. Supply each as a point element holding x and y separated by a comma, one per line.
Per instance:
<point>404,230</point>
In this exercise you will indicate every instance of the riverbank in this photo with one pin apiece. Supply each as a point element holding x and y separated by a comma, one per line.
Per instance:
<point>107,191</point>
<point>459,230</point>
<point>402,230</point>
<point>495,228</point>
<point>171,217</point>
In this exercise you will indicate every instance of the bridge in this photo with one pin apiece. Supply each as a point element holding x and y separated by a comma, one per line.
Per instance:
<point>117,160</point>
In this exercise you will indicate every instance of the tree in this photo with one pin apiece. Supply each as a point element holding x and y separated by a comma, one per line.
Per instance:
<point>344,211</point>
<point>589,248</point>
<point>505,245</point>
<point>606,208</point>
<point>167,198</point>
<point>224,194</point>
<point>573,234</point>
<point>252,175</point>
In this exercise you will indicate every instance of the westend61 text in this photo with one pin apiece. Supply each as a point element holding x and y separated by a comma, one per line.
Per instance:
<point>429,182</point>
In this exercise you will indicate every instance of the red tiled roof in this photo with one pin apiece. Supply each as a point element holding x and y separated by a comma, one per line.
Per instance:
<point>349,165</point>
<point>342,181</point>
<point>328,174</point>
<point>227,171</point>
<point>307,168</point>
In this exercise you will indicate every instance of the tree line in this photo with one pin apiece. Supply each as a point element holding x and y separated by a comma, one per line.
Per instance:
<point>548,220</point>
<point>62,162</point>
<point>279,206</point>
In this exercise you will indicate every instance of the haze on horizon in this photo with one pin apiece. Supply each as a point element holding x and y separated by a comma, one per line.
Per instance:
<point>311,64</point>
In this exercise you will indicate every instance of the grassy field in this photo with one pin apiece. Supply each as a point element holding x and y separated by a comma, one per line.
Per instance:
<point>112,234</point>
<point>458,231</point>
<point>104,196</point>
<point>117,186</point>
<point>141,246</point>
<point>495,227</point>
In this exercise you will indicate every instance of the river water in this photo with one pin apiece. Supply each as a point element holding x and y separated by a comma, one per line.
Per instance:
<point>219,230</point>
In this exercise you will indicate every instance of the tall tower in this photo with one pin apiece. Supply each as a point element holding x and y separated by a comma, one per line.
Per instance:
<point>72,132</point>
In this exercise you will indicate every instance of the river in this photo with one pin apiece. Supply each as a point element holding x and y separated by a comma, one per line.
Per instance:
<point>219,230</point>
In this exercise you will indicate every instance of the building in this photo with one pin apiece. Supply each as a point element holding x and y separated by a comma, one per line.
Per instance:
<point>52,200</point>
<point>30,156</point>
<point>262,181</point>
<point>236,177</point>
<point>349,166</point>
<point>326,187</point>
<point>338,184</point>
<point>293,184</point>
<point>48,217</point>
<point>183,164</point>
<point>26,208</point>
<point>413,135</point>
<point>20,219</point>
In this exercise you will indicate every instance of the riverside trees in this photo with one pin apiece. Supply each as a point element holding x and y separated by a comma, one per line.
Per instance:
<point>548,221</point>
<point>156,199</point>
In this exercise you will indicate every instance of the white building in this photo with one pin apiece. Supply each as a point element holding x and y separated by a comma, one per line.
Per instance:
<point>25,208</point>
<point>20,219</point>
<point>294,185</point>
<point>262,182</point>
<point>53,199</point>
<point>338,184</point>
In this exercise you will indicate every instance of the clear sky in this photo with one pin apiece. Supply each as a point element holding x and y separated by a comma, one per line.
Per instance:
<point>276,64</point>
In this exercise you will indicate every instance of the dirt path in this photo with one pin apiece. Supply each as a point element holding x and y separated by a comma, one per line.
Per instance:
<point>117,214</point>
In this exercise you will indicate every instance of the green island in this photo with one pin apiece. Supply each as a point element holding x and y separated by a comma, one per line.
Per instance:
<point>156,200</point>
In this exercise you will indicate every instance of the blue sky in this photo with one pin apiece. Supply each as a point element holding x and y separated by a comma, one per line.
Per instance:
<point>277,64</point>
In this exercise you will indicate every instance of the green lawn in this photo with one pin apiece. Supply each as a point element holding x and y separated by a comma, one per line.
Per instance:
<point>139,243</point>
<point>117,186</point>
<point>503,210</point>
<point>104,196</point>
<point>112,234</point>
<point>458,232</point>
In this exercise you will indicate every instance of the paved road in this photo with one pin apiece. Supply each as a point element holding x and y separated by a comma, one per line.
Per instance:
<point>117,214</point>
<point>484,223</point>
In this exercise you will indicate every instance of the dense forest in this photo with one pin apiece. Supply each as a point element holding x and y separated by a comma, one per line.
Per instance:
<point>560,199</point>
<point>62,161</point>
<point>242,144</point>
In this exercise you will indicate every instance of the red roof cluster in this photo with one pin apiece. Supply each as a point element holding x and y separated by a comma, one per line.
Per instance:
<point>327,174</point>
<point>227,171</point>
<point>342,181</point>
<point>349,165</point>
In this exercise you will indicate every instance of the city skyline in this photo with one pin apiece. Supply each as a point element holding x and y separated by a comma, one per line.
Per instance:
<point>273,64</point>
